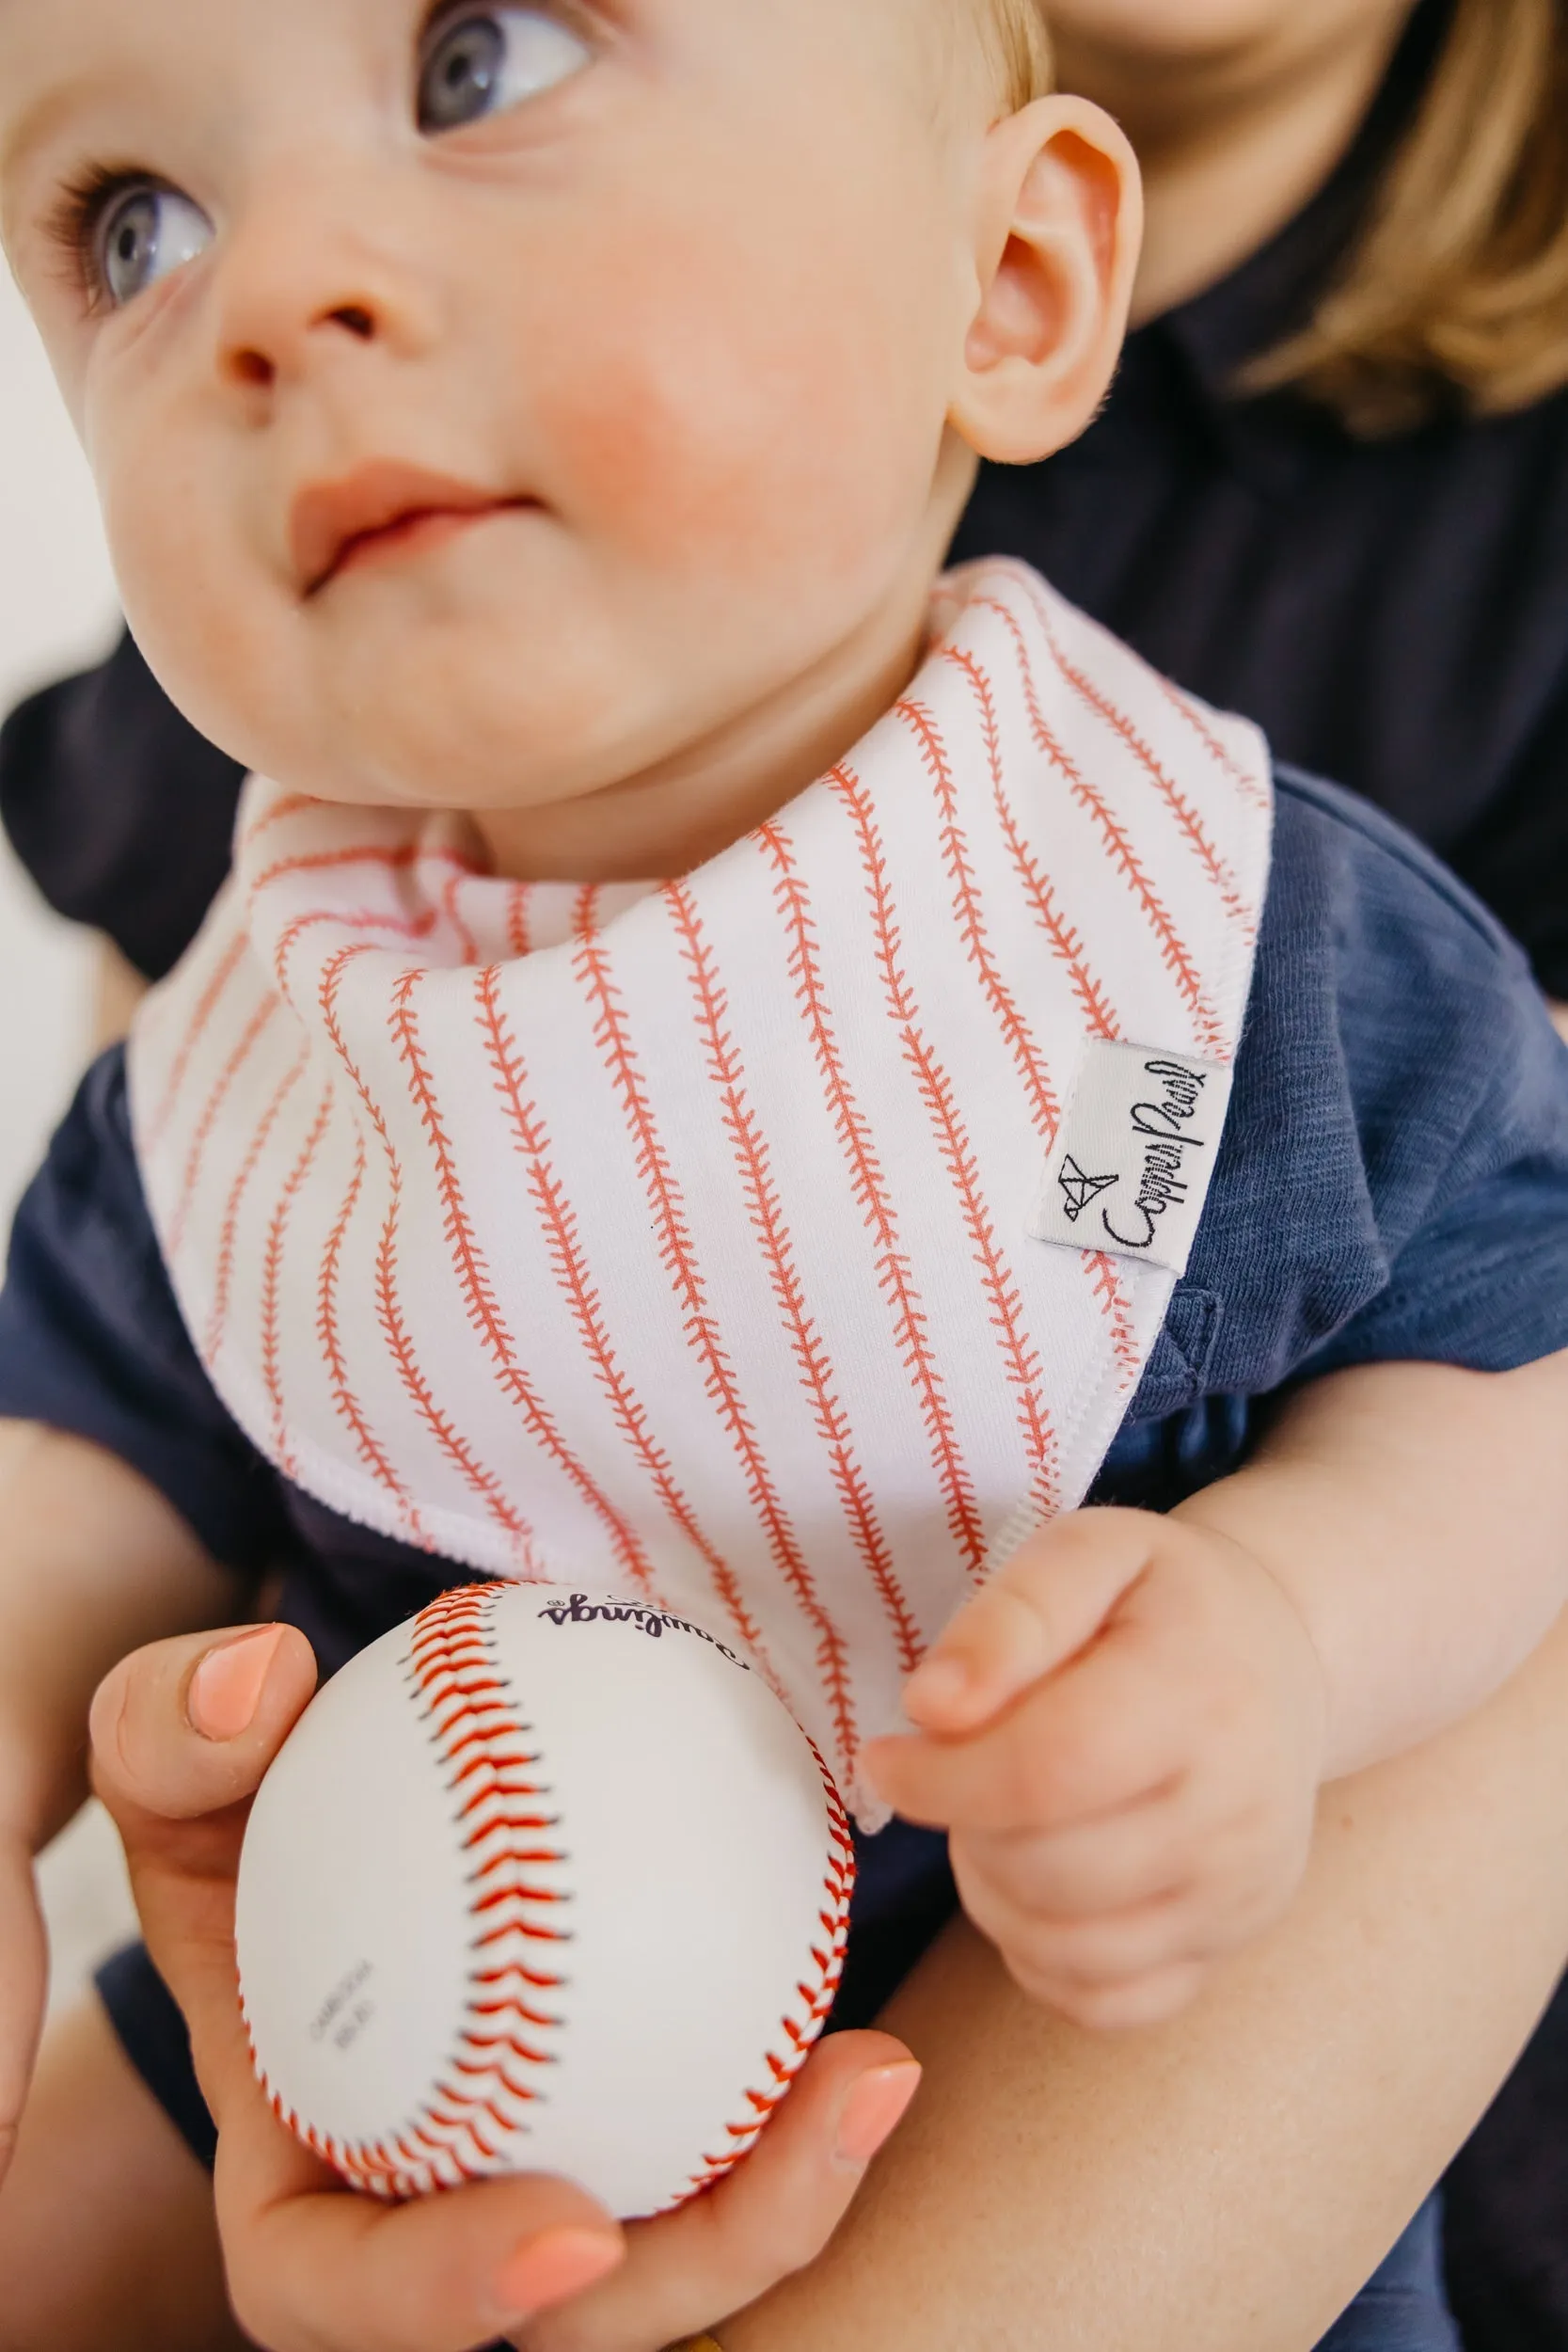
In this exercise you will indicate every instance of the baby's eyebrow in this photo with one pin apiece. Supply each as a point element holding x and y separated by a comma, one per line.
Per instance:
<point>40,122</point>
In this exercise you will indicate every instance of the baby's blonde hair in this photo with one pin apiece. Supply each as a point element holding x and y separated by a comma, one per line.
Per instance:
<point>1018,28</point>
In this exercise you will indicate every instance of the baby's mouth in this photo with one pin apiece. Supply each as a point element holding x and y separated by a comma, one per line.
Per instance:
<point>383,512</point>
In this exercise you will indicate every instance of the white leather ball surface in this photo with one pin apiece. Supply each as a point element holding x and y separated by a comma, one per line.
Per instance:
<point>540,1883</point>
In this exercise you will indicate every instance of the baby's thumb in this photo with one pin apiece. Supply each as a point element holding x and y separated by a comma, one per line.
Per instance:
<point>1038,1611</point>
<point>189,1726</point>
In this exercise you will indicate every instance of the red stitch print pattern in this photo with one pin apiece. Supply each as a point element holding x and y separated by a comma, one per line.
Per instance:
<point>1175,954</point>
<point>1248,786</point>
<point>1192,826</point>
<point>479,1295</point>
<point>755,1165</point>
<point>966,893</point>
<point>372,1451</point>
<point>1106,1276</point>
<point>613,1036</point>
<point>272,1276</point>
<point>896,1274</point>
<point>212,1337</point>
<point>1021,1359</point>
<point>206,1005</point>
<point>574,1281</point>
<point>249,1038</point>
<point>484,1483</point>
<point>1065,941</point>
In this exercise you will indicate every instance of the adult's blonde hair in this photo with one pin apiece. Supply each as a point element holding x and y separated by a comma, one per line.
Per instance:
<point>1456,293</point>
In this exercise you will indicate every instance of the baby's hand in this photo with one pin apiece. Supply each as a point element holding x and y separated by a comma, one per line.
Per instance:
<point>1124,1733</point>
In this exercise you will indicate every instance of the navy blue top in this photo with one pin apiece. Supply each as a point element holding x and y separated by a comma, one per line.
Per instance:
<point>1392,1183</point>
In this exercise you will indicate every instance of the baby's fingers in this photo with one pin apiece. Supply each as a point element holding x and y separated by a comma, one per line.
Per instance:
<point>1039,1610</point>
<point>188,1727</point>
<point>1148,1852</point>
<point>1090,1742</point>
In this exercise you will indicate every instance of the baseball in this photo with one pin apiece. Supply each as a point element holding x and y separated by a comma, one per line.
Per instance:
<point>540,1883</point>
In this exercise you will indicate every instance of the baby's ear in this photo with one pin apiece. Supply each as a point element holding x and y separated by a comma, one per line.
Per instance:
<point>1059,228</point>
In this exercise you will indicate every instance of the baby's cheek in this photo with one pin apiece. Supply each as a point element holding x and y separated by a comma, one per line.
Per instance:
<point>193,600</point>
<point>729,430</point>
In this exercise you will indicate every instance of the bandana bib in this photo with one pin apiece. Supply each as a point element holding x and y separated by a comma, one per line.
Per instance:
<point>776,1247</point>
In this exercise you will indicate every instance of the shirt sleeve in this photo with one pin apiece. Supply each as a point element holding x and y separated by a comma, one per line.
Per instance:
<point>92,1343</point>
<point>119,810</point>
<point>1516,857</point>
<point>1461,1090</point>
<point>1393,1181</point>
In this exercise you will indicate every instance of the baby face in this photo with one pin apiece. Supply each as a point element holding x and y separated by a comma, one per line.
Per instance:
<point>488,405</point>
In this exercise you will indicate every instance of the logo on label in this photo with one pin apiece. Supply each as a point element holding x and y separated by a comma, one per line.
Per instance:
<point>1162,1168</point>
<point>1135,1154</point>
<point>1080,1189</point>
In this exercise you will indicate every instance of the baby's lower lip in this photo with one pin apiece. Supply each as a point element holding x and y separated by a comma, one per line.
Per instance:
<point>415,534</point>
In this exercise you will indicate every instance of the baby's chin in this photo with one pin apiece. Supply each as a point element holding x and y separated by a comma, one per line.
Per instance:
<point>431,741</point>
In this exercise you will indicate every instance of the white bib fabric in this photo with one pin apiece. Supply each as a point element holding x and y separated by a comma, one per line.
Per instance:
<point>734,1245</point>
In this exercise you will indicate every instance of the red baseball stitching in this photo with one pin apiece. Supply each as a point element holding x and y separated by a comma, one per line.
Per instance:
<point>798,2027</point>
<point>474,1725</point>
<point>509,2023</point>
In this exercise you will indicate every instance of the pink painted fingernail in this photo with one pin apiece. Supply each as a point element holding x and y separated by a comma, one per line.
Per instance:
<point>553,2268</point>
<point>874,2109</point>
<point>226,1688</point>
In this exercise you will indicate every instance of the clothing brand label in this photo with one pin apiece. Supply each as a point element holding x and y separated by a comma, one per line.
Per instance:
<point>1133,1160</point>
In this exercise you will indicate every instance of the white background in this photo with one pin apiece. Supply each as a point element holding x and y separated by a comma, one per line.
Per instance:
<point>57,612</point>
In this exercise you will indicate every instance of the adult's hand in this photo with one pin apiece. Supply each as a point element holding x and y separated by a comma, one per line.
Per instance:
<point>182,1733</point>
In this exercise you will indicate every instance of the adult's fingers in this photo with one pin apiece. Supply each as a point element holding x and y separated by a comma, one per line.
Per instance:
<point>179,1794</point>
<point>188,1727</point>
<point>686,2271</point>
<point>318,2268</point>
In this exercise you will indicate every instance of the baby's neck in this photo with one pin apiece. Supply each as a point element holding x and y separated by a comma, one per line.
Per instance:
<point>673,818</point>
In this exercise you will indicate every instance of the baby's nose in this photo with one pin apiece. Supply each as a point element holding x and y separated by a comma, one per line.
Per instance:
<point>260,362</point>
<point>301,281</point>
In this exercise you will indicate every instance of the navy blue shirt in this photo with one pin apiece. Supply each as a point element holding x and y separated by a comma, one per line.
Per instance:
<point>1392,1185</point>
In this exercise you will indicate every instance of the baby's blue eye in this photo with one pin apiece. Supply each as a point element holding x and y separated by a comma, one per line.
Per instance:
<point>145,234</point>
<point>480,62</point>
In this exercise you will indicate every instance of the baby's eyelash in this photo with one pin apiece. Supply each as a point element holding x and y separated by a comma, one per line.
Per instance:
<point>74,216</point>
